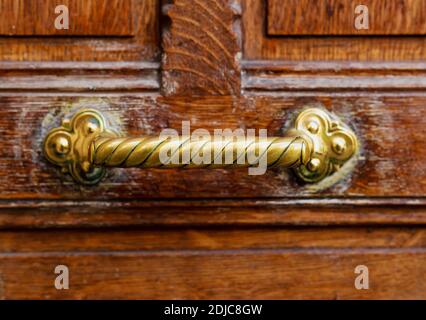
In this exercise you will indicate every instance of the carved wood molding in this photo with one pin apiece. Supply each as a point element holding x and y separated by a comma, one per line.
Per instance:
<point>266,76</point>
<point>79,76</point>
<point>202,49</point>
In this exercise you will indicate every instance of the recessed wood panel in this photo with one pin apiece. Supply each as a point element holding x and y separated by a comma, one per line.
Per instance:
<point>259,45</point>
<point>338,17</point>
<point>142,46</point>
<point>86,18</point>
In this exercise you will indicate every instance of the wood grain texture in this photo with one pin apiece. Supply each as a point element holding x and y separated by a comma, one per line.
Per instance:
<point>213,233</point>
<point>210,212</point>
<point>337,17</point>
<point>257,45</point>
<point>390,127</point>
<point>80,76</point>
<point>334,76</point>
<point>213,238</point>
<point>143,46</point>
<point>201,48</point>
<point>220,274</point>
<point>87,18</point>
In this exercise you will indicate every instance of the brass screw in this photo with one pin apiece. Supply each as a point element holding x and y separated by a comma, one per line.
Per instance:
<point>314,164</point>
<point>339,145</point>
<point>85,166</point>
<point>91,127</point>
<point>62,145</point>
<point>313,127</point>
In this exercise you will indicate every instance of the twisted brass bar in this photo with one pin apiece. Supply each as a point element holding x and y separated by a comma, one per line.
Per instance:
<point>317,146</point>
<point>146,152</point>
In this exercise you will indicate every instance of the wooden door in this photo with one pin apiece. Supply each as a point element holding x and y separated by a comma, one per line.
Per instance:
<point>214,233</point>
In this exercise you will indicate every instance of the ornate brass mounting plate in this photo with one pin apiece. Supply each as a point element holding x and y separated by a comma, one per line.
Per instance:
<point>333,143</point>
<point>69,146</point>
<point>317,146</point>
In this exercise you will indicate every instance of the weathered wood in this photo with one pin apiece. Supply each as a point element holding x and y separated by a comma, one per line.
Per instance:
<point>209,212</point>
<point>87,18</point>
<point>213,233</point>
<point>257,45</point>
<point>390,127</point>
<point>217,274</point>
<point>201,48</point>
<point>79,76</point>
<point>144,45</point>
<point>337,17</point>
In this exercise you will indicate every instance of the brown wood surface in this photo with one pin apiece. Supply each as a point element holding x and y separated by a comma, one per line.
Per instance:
<point>86,18</point>
<point>257,45</point>
<point>213,234</point>
<point>216,274</point>
<point>261,76</point>
<point>143,46</point>
<point>93,76</point>
<point>390,127</point>
<point>211,238</point>
<point>209,212</point>
<point>201,48</point>
<point>337,17</point>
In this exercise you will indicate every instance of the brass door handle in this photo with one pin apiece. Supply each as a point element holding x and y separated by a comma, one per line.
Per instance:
<point>317,146</point>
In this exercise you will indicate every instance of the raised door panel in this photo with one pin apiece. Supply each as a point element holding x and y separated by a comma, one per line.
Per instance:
<point>98,30</point>
<point>84,18</point>
<point>346,17</point>
<point>325,30</point>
